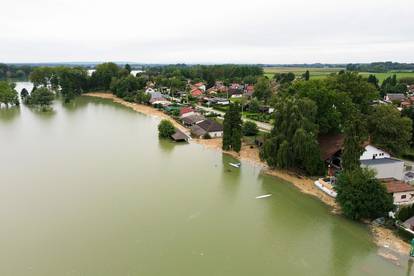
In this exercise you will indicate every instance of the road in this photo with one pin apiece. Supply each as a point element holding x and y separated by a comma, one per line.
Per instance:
<point>265,127</point>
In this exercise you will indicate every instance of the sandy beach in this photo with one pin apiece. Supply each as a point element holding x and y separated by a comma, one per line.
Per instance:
<point>384,238</point>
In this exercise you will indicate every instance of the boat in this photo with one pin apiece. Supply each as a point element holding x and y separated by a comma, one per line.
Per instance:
<point>236,165</point>
<point>325,186</point>
<point>263,196</point>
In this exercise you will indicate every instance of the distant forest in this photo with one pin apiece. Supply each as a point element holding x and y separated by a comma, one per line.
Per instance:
<point>380,67</point>
<point>10,71</point>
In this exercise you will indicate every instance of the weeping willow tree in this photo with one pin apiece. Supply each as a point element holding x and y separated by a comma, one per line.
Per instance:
<point>292,143</point>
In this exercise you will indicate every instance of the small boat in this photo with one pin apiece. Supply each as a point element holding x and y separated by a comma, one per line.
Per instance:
<point>236,165</point>
<point>326,186</point>
<point>263,196</point>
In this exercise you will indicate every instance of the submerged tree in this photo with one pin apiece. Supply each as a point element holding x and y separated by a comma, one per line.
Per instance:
<point>165,129</point>
<point>8,96</point>
<point>232,128</point>
<point>41,97</point>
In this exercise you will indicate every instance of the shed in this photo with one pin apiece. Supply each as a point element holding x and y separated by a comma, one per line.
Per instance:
<point>180,136</point>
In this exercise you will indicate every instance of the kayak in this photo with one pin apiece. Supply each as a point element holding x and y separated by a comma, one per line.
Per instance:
<point>236,165</point>
<point>263,196</point>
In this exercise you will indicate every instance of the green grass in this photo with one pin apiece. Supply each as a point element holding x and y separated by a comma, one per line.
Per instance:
<point>319,73</point>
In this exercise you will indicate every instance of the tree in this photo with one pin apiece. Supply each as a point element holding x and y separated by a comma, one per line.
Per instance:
<point>292,142</point>
<point>306,75</point>
<point>254,105</point>
<point>165,129</point>
<point>361,195</point>
<point>263,89</point>
<point>250,128</point>
<point>284,78</point>
<point>355,136</point>
<point>409,113</point>
<point>42,97</point>
<point>128,68</point>
<point>389,130</point>
<point>232,128</point>
<point>102,77</point>
<point>24,93</point>
<point>8,95</point>
<point>372,79</point>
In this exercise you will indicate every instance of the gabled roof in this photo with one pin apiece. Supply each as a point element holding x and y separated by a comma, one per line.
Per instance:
<point>210,126</point>
<point>330,144</point>
<point>185,110</point>
<point>192,119</point>
<point>196,92</point>
<point>395,186</point>
<point>179,136</point>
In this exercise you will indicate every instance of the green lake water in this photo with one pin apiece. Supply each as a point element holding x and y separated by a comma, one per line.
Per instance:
<point>89,189</point>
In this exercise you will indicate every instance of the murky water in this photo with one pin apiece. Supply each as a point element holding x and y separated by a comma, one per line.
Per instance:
<point>89,189</point>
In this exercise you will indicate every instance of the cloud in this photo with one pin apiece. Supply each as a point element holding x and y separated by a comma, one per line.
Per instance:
<point>261,31</point>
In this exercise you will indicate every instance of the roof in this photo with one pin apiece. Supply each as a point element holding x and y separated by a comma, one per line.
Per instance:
<point>192,119</point>
<point>395,96</point>
<point>196,92</point>
<point>199,84</point>
<point>330,144</point>
<point>210,126</point>
<point>197,131</point>
<point>179,135</point>
<point>395,186</point>
<point>380,161</point>
<point>185,110</point>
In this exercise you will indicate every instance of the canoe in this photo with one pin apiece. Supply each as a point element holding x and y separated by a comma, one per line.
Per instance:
<point>236,165</point>
<point>263,196</point>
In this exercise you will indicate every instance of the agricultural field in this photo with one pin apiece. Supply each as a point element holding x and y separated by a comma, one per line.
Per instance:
<point>318,73</point>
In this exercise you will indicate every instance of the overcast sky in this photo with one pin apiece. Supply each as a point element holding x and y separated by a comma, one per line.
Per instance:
<point>208,31</point>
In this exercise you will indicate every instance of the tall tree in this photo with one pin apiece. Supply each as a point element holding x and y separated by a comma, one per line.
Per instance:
<point>355,136</point>
<point>306,75</point>
<point>389,130</point>
<point>128,68</point>
<point>263,89</point>
<point>232,128</point>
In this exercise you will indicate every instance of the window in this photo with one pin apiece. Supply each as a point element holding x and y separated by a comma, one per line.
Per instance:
<point>403,196</point>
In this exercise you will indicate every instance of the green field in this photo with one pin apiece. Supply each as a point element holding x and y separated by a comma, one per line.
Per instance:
<point>318,73</point>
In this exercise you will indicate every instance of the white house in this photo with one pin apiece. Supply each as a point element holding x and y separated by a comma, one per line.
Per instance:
<point>402,193</point>
<point>372,152</point>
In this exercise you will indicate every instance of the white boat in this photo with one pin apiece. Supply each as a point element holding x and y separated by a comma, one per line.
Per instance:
<point>325,187</point>
<point>263,196</point>
<point>236,165</point>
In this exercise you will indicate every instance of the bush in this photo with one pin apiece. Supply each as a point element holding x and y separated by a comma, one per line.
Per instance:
<point>405,213</point>
<point>165,129</point>
<point>250,129</point>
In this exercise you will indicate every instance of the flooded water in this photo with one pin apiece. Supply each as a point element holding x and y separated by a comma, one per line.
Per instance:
<point>89,189</point>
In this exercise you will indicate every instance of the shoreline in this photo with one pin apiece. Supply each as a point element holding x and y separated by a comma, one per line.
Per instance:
<point>384,238</point>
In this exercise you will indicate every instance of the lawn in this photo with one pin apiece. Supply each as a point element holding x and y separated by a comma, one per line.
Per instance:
<point>318,73</point>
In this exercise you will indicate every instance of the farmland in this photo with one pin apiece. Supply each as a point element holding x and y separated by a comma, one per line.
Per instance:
<point>318,73</point>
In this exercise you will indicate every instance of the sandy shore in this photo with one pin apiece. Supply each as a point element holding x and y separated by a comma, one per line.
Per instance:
<point>391,246</point>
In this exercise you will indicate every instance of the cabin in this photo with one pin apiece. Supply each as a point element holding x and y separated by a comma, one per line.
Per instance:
<point>192,119</point>
<point>180,136</point>
<point>210,127</point>
<point>402,193</point>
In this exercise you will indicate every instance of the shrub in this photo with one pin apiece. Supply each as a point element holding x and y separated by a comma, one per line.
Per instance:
<point>165,129</point>
<point>250,129</point>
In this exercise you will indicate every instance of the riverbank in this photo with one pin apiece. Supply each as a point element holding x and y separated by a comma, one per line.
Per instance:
<point>384,238</point>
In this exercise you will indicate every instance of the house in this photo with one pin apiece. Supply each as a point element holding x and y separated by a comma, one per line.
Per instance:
<point>186,111</point>
<point>211,127</point>
<point>159,101</point>
<point>402,193</point>
<point>374,158</point>
<point>192,119</point>
<point>180,136</point>
<point>249,90</point>
<point>196,93</point>
<point>394,97</point>
<point>201,86</point>
<point>150,90</point>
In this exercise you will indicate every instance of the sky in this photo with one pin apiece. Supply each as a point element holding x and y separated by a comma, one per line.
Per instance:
<point>208,31</point>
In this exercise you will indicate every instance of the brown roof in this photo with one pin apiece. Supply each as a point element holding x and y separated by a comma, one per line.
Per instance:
<point>395,186</point>
<point>330,144</point>
<point>210,126</point>
<point>179,136</point>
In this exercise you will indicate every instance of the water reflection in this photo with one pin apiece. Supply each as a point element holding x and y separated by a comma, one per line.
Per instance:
<point>8,115</point>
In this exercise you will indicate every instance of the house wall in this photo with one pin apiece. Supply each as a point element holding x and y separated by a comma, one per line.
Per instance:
<point>403,198</point>
<point>370,151</point>
<point>216,134</point>
<point>389,170</point>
